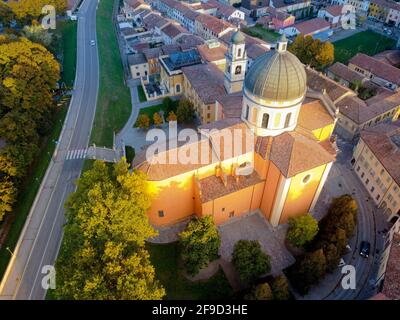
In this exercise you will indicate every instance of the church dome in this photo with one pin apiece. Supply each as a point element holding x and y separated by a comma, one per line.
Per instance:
<point>238,38</point>
<point>277,76</point>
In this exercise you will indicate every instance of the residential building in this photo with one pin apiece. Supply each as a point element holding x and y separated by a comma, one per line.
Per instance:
<point>297,8</point>
<point>171,32</point>
<point>138,66</point>
<point>203,84</point>
<point>171,70</point>
<point>391,57</point>
<point>209,27</point>
<point>213,51</point>
<point>344,75</point>
<point>276,19</point>
<point>333,14</point>
<point>280,172</point>
<point>385,11</point>
<point>376,162</point>
<point>379,72</point>
<point>317,28</point>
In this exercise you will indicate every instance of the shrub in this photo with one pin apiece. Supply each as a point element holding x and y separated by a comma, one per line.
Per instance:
<point>143,121</point>
<point>280,288</point>
<point>157,119</point>
<point>249,260</point>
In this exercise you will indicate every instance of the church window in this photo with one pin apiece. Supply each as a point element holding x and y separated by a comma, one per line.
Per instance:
<point>161,213</point>
<point>287,120</point>
<point>307,178</point>
<point>239,52</point>
<point>238,70</point>
<point>247,112</point>
<point>265,120</point>
<point>277,120</point>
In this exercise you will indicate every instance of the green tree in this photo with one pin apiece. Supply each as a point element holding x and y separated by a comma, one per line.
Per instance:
<point>200,242</point>
<point>301,230</point>
<point>249,260</point>
<point>280,288</point>
<point>143,121</point>
<point>103,254</point>
<point>185,111</point>
<point>36,33</point>
<point>168,104</point>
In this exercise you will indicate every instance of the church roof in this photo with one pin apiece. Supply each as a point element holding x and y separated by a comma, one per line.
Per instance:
<point>276,76</point>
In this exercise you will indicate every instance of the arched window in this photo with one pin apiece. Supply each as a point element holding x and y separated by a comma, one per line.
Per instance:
<point>277,120</point>
<point>247,112</point>
<point>238,70</point>
<point>239,52</point>
<point>287,120</point>
<point>265,120</point>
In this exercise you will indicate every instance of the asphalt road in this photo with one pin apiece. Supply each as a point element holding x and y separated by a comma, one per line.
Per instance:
<point>41,238</point>
<point>369,223</point>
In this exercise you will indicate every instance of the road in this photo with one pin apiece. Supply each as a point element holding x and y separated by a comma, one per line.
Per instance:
<point>41,237</point>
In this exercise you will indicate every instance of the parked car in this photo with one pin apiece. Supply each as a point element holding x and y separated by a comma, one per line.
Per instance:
<point>365,248</point>
<point>92,42</point>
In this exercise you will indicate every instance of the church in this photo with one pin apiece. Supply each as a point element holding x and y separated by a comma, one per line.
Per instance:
<point>283,172</point>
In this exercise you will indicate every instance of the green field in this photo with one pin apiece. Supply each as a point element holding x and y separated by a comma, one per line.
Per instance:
<point>367,42</point>
<point>68,31</point>
<point>165,257</point>
<point>262,33</point>
<point>114,100</point>
<point>141,94</point>
<point>31,185</point>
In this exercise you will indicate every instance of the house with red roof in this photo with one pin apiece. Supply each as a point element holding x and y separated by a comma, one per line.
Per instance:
<point>333,14</point>
<point>316,28</point>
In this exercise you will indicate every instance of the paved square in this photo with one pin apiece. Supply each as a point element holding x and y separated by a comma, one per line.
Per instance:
<point>255,227</point>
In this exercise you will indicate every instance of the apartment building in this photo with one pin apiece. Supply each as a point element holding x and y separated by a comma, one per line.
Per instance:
<point>376,161</point>
<point>209,27</point>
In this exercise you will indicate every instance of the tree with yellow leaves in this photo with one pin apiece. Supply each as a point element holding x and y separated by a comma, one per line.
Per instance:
<point>32,9</point>
<point>172,116</point>
<point>157,119</point>
<point>103,254</point>
<point>143,121</point>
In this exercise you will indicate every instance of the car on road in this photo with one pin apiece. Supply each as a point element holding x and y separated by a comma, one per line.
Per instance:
<point>92,43</point>
<point>365,248</point>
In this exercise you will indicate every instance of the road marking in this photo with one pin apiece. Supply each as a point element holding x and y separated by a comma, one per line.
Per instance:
<point>76,154</point>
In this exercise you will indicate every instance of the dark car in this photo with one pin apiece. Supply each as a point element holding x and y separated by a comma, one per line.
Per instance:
<point>364,249</point>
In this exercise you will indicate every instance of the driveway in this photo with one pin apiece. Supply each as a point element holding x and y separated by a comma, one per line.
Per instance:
<point>255,227</point>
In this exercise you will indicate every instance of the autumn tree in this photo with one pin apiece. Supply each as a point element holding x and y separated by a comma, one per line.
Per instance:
<point>301,230</point>
<point>103,254</point>
<point>7,196</point>
<point>200,242</point>
<point>249,260</point>
<point>157,120</point>
<point>6,14</point>
<point>171,116</point>
<point>312,52</point>
<point>143,121</point>
<point>185,111</point>
<point>32,9</point>
<point>280,288</point>
<point>36,33</point>
<point>261,292</point>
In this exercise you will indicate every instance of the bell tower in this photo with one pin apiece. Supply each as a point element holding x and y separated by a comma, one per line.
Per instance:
<point>236,62</point>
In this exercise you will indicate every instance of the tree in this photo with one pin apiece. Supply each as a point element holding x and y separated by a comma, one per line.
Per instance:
<point>301,230</point>
<point>36,33</point>
<point>171,116</point>
<point>103,254</point>
<point>157,119</point>
<point>28,9</point>
<point>168,104</point>
<point>308,271</point>
<point>312,52</point>
<point>7,196</point>
<point>280,288</point>
<point>200,242</point>
<point>143,121</point>
<point>249,260</point>
<point>6,14</point>
<point>263,292</point>
<point>185,111</point>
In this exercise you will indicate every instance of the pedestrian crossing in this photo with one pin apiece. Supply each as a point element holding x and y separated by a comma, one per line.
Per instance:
<point>76,154</point>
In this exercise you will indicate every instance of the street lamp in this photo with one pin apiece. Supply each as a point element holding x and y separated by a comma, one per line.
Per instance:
<point>8,249</point>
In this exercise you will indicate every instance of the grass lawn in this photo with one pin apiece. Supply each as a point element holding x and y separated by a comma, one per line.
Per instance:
<point>28,192</point>
<point>367,42</point>
<point>164,258</point>
<point>68,32</point>
<point>114,100</point>
<point>262,33</point>
<point>141,94</point>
